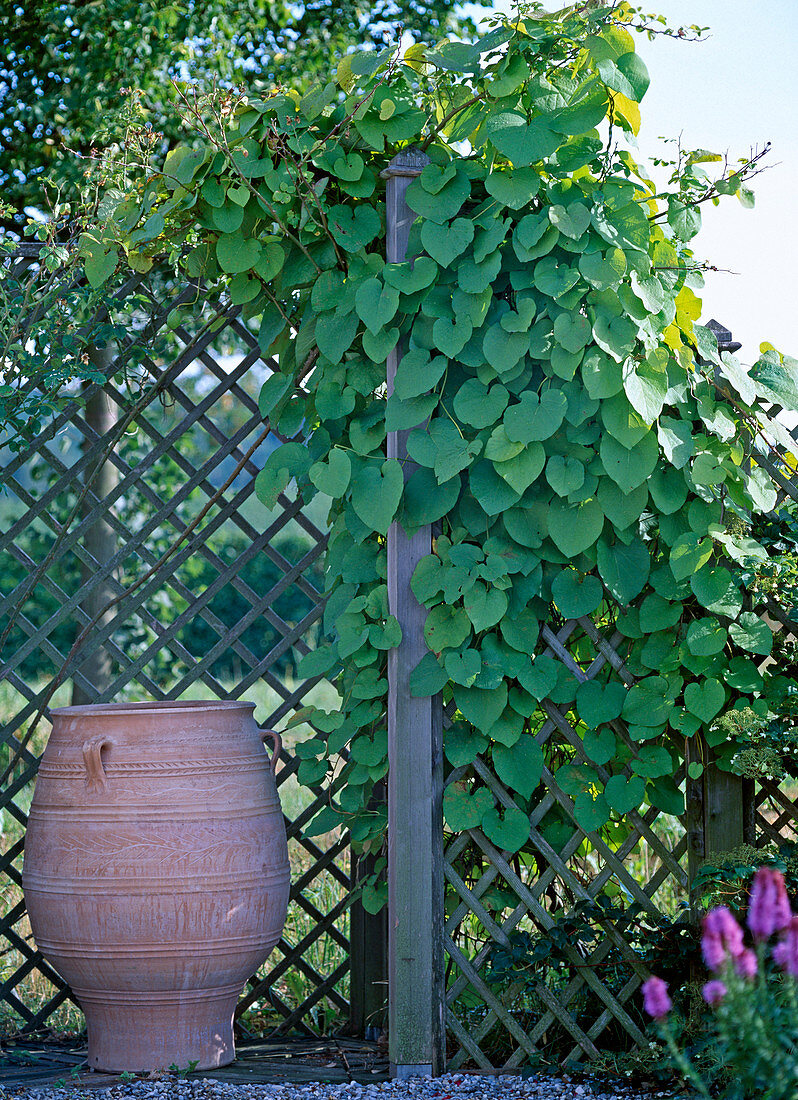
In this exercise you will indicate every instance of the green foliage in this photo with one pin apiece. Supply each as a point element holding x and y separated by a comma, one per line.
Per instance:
<point>66,68</point>
<point>586,449</point>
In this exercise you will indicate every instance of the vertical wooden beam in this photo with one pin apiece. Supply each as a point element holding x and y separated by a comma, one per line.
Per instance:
<point>716,803</point>
<point>416,995</point>
<point>368,953</point>
<point>100,538</point>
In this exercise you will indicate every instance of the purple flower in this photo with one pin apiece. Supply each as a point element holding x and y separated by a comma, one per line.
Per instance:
<point>656,1001</point>
<point>785,953</point>
<point>713,992</point>
<point>769,908</point>
<point>722,938</point>
<point>746,964</point>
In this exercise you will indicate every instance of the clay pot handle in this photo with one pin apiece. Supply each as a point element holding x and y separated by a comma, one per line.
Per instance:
<point>278,747</point>
<point>92,758</point>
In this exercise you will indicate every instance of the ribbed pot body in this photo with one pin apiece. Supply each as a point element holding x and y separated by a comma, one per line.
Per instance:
<point>156,874</point>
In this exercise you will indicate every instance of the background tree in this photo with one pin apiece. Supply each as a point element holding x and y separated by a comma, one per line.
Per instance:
<point>65,67</point>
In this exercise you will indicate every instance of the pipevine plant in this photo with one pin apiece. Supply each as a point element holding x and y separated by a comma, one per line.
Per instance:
<point>575,435</point>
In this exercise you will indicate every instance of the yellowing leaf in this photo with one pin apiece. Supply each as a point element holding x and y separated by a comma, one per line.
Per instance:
<point>628,110</point>
<point>414,57</point>
<point>672,336</point>
<point>344,75</point>
<point>387,108</point>
<point>688,309</point>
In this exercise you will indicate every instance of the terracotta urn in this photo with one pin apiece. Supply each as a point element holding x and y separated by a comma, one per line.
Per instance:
<point>156,873</point>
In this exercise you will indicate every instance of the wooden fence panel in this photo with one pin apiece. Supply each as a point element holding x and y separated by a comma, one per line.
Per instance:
<point>227,615</point>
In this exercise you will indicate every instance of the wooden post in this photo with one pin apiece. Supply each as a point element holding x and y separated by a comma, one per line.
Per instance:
<point>716,801</point>
<point>368,952</point>
<point>416,995</point>
<point>368,961</point>
<point>100,538</point>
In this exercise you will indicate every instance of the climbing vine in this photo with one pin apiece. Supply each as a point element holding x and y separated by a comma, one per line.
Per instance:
<point>575,436</point>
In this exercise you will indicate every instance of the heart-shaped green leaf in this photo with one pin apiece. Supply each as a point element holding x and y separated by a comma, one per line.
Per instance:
<point>716,590</point>
<point>509,832</point>
<point>705,699</point>
<point>514,187</point>
<point>464,667</point>
<point>523,142</point>
<point>481,707</point>
<point>417,373</point>
<point>335,333</point>
<point>706,636</point>
<point>464,810</point>
<point>522,630</point>
<point>571,220</point>
<point>286,462</point>
<point>565,474</point>
<point>332,477</point>
<point>479,406</point>
<point>629,467</point>
<point>522,470</point>
<point>624,795</point>
<point>647,702</point>
<point>427,678</point>
<point>600,746</point>
<point>509,726</point>
<point>484,606</point>
<point>519,766</point>
<point>751,633</point>
<point>624,568</point>
<point>576,595</point>
<point>591,811</point>
<point>572,331</point>
<point>463,744</point>
<point>600,703</point>
<point>555,277</point>
<point>452,334</point>
<point>376,304</point>
<point>539,677</point>
<point>603,270</point>
<point>502,349</point>
<point>378,346</point>
<point>574,527</point>
<point>446,628</point>
<point>446,242</point>
<point>412,275</point>
<point>376,492</point>
<point>441,205</point>
<point>353,227</point>
<point>536,418</point>
<point>237,253</point>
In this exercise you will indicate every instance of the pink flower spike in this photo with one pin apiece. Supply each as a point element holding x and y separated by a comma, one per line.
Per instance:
<point>769,908</point>
<point>714,992</point>
<point>746,964</point>
<point>785,953</point>
<point>722,938</point>
<point>656,1001</point>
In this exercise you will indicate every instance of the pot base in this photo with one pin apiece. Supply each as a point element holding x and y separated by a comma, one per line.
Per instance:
<point>182,1029</point>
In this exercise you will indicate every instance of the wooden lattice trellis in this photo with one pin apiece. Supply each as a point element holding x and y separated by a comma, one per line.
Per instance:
<point>185,457</point>
<point>194,419</point>
<point>758,813</point>
<point>559,875</point>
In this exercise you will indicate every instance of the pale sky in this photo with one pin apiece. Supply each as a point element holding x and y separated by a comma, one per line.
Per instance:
<point>735,90</point>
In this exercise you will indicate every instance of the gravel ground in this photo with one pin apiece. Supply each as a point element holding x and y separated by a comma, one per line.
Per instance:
<point>452,1086</point>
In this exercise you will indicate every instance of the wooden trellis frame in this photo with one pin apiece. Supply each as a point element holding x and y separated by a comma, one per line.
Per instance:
<point>184,429</point>
<point>430,969</point>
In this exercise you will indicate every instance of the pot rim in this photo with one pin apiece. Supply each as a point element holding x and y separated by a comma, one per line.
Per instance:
<point>166,706</point>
